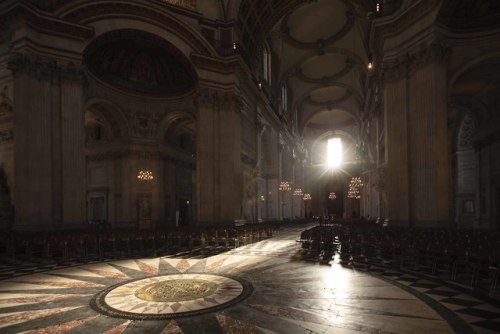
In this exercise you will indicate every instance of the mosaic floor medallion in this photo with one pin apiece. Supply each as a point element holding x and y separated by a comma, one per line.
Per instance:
<point>170,296</point>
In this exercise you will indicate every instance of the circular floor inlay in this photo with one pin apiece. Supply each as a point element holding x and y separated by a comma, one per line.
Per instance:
<point>170,296</point>
<point>176,290</point>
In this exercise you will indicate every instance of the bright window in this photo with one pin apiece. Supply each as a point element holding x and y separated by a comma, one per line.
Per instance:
<point>334,152</point>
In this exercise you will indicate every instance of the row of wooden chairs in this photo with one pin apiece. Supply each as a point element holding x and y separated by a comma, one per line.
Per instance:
<point>99,244</point>
<point>469,257</point>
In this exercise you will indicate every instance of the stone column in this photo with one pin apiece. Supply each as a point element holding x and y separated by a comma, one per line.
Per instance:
<point>72,147</point>
<point>218,159</point>
<point>418,148</point>
<point>281,196</point>
<point>261,188</point>
<point>396,125</point>
<point>50,141</point>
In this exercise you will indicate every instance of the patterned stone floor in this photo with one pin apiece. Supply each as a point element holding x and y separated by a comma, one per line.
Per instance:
<point>288,296</point>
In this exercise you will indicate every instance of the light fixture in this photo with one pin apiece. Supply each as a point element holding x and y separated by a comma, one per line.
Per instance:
<point>262,198</point>
<point>235,46</point>
<point>370,62</point>
<point>332,195</point>
<point>307,197</point>
<point>145,175</point>
<point>354,186</point>
<point>285,186</point>
<point>298,192</point>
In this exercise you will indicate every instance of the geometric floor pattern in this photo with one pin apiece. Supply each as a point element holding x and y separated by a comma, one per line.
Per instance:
<point>170,296</point>
<point>287,295</point>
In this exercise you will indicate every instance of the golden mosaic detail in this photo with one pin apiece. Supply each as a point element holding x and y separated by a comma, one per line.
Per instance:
<point>176,290</point>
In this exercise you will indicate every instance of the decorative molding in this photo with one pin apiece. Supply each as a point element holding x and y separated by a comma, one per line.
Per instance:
<point>219,99</point>
<point>320,44</point>
<point>223,66</point>
<point>330,104</point>
<point>101,9</point>
<point>43,23</point>
<point>326,80</point>
<point>397,68</point>
<point>188,4</point>
<point>144,124</point>
<point>44,68</point>
<point>402,20</point>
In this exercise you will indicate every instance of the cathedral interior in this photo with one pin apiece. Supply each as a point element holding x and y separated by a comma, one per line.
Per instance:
<point>249,166</point>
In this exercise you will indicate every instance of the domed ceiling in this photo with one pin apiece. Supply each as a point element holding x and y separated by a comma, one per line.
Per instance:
<point>137,61</point>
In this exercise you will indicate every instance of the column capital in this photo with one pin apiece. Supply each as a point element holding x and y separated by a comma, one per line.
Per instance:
<point>224,100</point>
<point>45,68</point>
<point>396,68</point>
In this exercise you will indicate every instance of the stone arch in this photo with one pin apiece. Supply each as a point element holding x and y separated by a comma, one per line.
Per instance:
<point>469,64</point>
<point>465,183</point>
<point>178,129</point>
<point>149,16</point>
<point>113,117</point>
<point>137,62</point>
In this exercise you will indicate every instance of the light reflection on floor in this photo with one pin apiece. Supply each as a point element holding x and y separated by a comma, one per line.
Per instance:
<point>289,296</point>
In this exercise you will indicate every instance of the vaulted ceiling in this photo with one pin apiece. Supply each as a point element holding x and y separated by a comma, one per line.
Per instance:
<point>322,52</point>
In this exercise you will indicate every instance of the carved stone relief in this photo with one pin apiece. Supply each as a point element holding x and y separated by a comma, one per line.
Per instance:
<point>45,68</point>
<point>144,124</point>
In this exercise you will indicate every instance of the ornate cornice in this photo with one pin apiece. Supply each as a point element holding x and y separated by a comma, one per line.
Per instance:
<point>394,24</point>
<point>224,101</point>
<point>397,68</point>
<point>224,66</point>
<point>45,68</point>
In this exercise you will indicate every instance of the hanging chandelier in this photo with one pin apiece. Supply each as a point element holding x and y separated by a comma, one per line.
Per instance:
<point>145,175</point>
<point>285,186</point>
<point>298,192</point>
<point>354,186</point>
<point>306,197</point>
<point>332,195</point>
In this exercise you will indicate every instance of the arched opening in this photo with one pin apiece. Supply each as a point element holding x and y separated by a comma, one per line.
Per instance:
<point>140,149</point>
<point>466,172</point>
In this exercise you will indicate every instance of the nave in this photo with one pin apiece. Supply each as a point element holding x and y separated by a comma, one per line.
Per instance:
<point>264,287</point>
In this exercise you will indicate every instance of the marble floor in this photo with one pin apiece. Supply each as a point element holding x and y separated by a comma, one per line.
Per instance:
<point>264,287</point>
